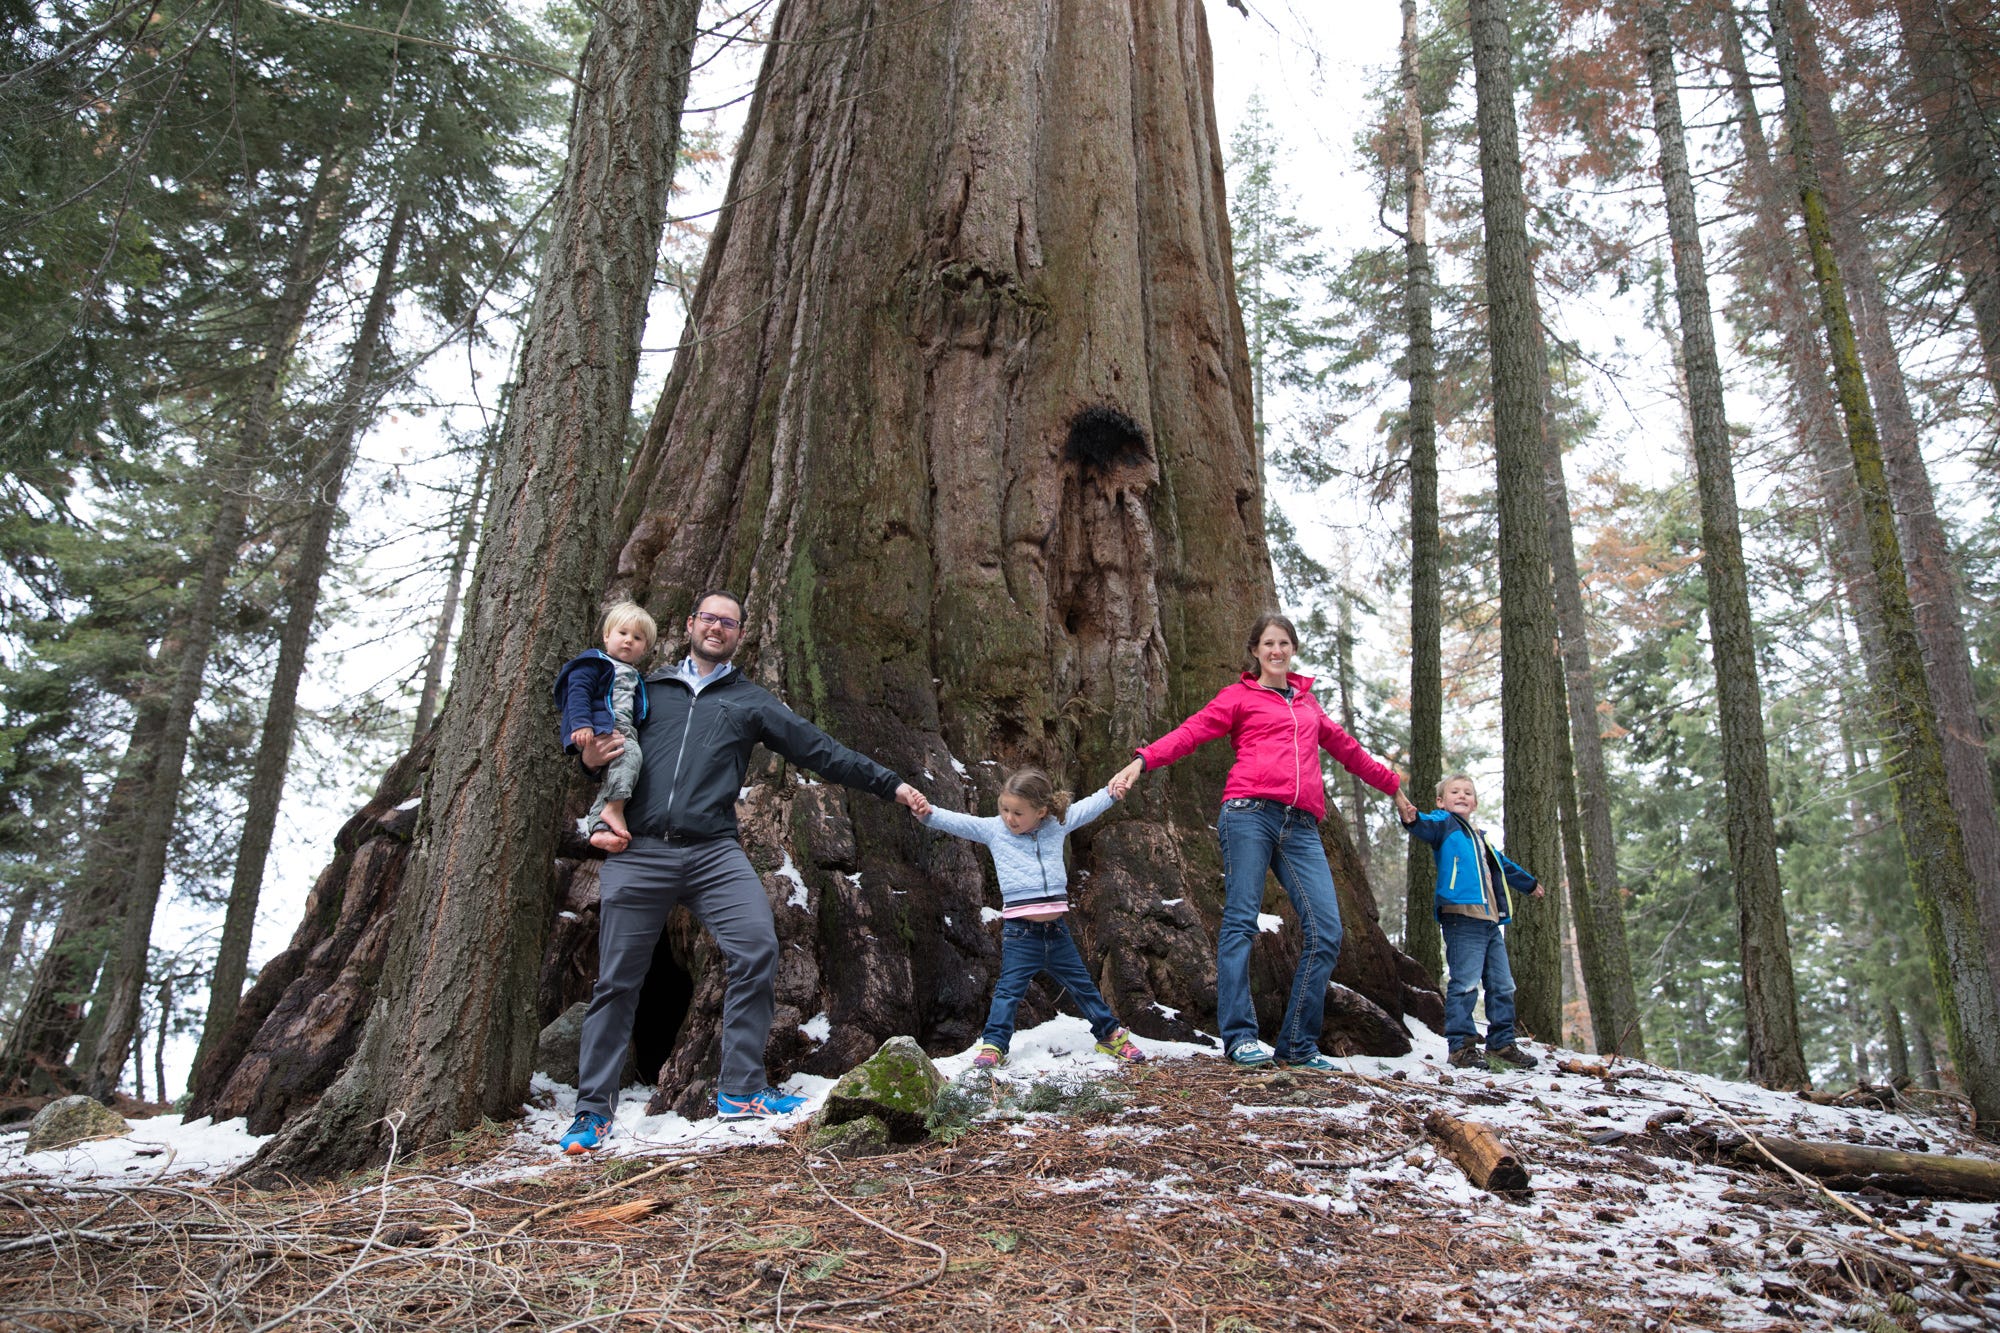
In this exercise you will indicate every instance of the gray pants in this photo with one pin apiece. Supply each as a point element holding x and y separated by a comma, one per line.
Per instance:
<point>641,885</point>
<point>623,772</point>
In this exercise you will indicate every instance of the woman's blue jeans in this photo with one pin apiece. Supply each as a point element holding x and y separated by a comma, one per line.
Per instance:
<point>1259,836</point>
<point>1028,947</point>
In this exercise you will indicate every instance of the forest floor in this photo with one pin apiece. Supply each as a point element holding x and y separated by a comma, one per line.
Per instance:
<point>1195,1196</point>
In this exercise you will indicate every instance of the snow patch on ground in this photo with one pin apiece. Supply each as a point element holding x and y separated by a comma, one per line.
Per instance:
<point>1268,924</point>
<point>789,870</point>
<point>817,1028</point>
<point>165,1147</point>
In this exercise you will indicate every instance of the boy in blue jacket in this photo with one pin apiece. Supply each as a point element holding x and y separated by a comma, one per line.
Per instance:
<point>1471,906</point>
<point>602,692</point>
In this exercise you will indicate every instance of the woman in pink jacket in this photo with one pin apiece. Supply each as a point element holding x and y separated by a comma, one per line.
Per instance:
<point>1271,808</point>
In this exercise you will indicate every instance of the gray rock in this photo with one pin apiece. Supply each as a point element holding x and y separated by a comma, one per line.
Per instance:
<point>557,1048</point>
<point>866,1137</point>
<point>896,1085</point>
<point>73,1120</point>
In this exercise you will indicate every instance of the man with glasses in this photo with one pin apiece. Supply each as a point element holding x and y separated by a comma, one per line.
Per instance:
<point>705,718</point>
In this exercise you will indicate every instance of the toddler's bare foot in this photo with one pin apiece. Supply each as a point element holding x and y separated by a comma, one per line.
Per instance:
<point>606,840</point>
<point>612,816</point>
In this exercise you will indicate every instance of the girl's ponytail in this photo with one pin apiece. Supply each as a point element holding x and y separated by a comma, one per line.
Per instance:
<point>1033,786</point>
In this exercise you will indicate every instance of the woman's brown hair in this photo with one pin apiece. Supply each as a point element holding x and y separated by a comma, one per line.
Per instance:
<point>1257,632</point>
<point>1033,786</point>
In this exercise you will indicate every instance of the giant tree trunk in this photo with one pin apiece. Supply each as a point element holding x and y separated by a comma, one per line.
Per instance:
<point>1933,848</point>
<point>1421,940</point>
<point>967,419</point>
<point>231,472</point>
<point>451,1035</point>
<point>1530,708</point>
<point>302,588</point>
<point>1770,1004</point>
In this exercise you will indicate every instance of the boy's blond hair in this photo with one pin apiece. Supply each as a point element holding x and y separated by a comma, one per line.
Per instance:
<point>627,615</point>
<point>1450,778</point>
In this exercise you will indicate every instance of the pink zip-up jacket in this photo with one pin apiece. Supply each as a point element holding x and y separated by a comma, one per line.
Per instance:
<point>1277,744</point>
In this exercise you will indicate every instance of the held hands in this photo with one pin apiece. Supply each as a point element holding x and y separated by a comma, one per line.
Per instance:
<point>914,799</point>
<point>1404,809</point>
<point>1121,781</point>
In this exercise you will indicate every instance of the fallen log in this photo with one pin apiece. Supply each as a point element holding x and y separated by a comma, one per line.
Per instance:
<point>1585,1068</point>
<point>1479,1151</point>
<point>1853,1166</point>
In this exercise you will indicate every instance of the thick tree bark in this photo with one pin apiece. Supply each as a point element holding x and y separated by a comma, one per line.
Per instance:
<point>1928,562</point>
<point>1770,1003</point>
<point>968,421</point>
<point>1965,161</point>
<point>302,588</point>
<point>1946,894</point>
<point>232,474</point>
<point>1421,940</point>
<point>1530,708</point>
<point>451,1035</point>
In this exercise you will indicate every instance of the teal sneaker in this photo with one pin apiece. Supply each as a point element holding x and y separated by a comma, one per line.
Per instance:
<point>757,1106</point>
<point>1251,1054</point>
<point>587,1133</point>
<point>1319,1062</point>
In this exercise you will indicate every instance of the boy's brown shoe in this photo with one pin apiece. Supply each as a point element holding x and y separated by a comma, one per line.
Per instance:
<point>1515,1056</point>
<point>1467,1057</point>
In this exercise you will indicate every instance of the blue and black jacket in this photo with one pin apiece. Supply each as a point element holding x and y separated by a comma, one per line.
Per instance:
<point>583,695</point>
<point>1459,846</point>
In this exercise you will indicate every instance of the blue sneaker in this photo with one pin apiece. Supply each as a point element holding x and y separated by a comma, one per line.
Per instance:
<point>587,1133</point>
<point>1319,1062</point>
<point>756,1106</point>
<point>1250,1054</point>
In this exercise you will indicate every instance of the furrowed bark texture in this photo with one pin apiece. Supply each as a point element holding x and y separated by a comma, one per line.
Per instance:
<point>966,417</point>
<point>302,587</point>
<point>1946,896</point>
<point>1770,1003</point>
<point>1421,940</point>
<point>451,1036</point>
<point>1928,562</point>
<point>1530,708</point>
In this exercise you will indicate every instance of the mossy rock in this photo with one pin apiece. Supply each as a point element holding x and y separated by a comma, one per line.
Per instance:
<point>896,1085</point>
<point>866,1137</point>
<point>73,1120</point>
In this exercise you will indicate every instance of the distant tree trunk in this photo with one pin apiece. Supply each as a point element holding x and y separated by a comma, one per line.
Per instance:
<point>26,899</point>
<point>231,474</point>
<point>1421,940</point>
<point>1579,920</point>
<point>1344,631</point>
<point>447,617</point>
<point>1927,1073</point>
<point>1893,1039</point>
<point>451,1035</point>
<point>1946,895</point>
<point>1965,161</point>
<point>1770,1003</point>
<point>302,588</point>
<point>52,1013</point>
<point>1530,707</point>
<point>1594,886</point>
<point>1928,561</point>
<point>160,1037</point>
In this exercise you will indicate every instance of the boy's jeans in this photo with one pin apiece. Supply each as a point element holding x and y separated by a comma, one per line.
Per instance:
<point>1257,836</point>
<point>1476,952</point>
<point>1028,947</point>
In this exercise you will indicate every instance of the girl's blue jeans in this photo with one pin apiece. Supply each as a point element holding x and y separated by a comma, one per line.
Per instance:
<point>1259,836</point>
<point>1030,947</point>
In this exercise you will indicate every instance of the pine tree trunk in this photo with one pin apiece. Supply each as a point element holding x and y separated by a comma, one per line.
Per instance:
<point>1421,940</point>
<point>1892,1037</point>
<point>302,588</point>
<point>1770,1003</point>
<point>451,1035</point>
<point>1965,161</point>
<point>231,473</point>
<point>1928,561</point>
<point>19,912</point>
<point>447,617</point>
<point>51,1016</point>
<point>1946,895</point>
<point>1596,891</point>
<point>1530,708</point>
<point>1580,925</point>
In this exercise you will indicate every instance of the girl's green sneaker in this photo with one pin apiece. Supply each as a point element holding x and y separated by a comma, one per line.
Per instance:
<point>1120,1046</point>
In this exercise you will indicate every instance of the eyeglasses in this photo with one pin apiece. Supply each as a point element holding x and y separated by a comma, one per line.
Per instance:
<point>723,622</point>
